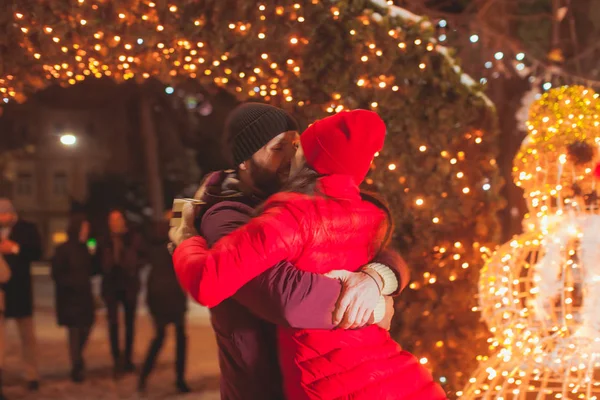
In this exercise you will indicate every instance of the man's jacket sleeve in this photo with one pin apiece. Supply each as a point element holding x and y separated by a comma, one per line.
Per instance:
<point>282,295</point>
<point>213,275</point>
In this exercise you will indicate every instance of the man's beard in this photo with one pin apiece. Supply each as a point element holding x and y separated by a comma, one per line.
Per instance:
<point>268,182</point>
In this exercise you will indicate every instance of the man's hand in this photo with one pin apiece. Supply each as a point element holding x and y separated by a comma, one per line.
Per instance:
<point>9,247</point>
<point>186,229</point>
<point>359,296</point>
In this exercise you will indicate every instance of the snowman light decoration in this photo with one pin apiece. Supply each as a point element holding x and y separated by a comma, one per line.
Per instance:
<point>540,292</point>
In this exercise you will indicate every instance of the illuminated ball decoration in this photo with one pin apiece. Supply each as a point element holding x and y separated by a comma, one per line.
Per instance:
<point>565,112</point>
<point>556,163</point>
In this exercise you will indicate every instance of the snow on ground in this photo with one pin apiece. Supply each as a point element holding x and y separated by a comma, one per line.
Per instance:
<point>202,371</point>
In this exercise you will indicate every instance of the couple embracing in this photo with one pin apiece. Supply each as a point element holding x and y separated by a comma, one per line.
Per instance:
<point>291,258</point>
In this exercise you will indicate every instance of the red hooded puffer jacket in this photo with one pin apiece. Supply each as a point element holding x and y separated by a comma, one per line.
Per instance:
<point>317,234</point>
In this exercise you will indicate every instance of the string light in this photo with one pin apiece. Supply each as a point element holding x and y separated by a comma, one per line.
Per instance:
<point>126,69</point>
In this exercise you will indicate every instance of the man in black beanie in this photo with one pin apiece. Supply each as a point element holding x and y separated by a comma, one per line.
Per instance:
<point>262,140</point>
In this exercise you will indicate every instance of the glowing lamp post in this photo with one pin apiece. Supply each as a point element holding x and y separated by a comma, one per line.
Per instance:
<point>68,139</point>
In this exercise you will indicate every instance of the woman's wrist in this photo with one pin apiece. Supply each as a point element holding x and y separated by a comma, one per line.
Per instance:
<point>388,279</point>
<point>376,279</point>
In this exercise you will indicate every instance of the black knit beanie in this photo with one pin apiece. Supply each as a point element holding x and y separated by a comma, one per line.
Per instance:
<point>251,126</point>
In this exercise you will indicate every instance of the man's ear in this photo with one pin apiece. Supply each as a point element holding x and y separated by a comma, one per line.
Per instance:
<point>243,166</point>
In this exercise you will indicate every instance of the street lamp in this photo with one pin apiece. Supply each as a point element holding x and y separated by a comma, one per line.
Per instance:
<point>68,139</point>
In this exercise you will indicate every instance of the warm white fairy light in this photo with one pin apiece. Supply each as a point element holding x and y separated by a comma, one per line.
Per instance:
<point>171,53</point>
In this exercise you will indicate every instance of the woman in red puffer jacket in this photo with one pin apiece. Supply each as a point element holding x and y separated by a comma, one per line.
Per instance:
<point>322,223</point>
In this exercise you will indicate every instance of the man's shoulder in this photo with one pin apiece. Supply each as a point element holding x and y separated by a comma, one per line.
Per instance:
<point>228,209</point>
<point>223,218</point>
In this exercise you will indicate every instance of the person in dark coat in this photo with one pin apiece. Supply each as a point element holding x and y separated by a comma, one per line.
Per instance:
<point>121,259</point>
<point>20,244</point>
<point>167,304</point>
<point>4,277</point>
<point>72,271</point>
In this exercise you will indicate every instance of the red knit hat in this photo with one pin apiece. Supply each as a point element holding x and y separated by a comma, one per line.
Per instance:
<point>344,143</point>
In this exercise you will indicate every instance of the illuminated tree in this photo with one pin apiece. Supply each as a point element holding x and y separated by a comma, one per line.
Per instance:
<point>438,169</point>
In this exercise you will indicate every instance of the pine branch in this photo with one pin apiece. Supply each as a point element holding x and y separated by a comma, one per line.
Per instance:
<point>587,52</point>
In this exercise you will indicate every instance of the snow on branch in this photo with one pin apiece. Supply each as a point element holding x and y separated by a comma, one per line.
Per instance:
<point>396,11</point>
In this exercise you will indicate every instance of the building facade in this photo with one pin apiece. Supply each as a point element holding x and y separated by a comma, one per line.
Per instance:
<point>45,182</point>
<point>111,139</point>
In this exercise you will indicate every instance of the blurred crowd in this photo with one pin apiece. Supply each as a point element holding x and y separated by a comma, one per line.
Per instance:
<point>118,257</point>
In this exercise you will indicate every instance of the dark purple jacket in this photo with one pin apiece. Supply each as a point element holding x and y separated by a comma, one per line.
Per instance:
<point>245,324</point>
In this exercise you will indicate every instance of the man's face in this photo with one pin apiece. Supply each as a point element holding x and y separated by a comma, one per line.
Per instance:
<point>7,219</point>
<point>269,167</point>
<point>116,222</point>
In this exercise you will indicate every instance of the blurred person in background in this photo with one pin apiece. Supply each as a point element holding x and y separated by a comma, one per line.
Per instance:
<point>20,245</point>
<point>72,270</point>
<point>167,304</point>
<point>121,258</point>
<point>4,277</point>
